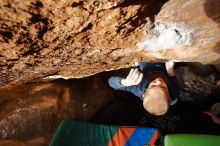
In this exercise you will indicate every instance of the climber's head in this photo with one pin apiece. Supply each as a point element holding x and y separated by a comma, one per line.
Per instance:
<point>156,97</point>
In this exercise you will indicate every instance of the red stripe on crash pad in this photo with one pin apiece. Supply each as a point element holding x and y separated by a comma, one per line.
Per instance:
<point>154,138</point>
<point>121,137</point>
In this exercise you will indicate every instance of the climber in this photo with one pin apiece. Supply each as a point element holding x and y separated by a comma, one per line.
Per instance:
<point>155,84</point>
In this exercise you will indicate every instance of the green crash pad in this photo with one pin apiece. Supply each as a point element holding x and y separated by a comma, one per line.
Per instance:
<point>76,133</point>
<point>191,140</point>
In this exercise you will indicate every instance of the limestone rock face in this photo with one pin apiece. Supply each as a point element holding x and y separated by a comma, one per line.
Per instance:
<point>189,31</point>
<point>31,113</point>
<point>78,38</point>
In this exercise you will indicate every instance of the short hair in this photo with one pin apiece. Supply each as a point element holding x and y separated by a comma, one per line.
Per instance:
<point>155,102</point>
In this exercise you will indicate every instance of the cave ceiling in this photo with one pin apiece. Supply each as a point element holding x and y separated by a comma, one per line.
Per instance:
<point>79,38</point>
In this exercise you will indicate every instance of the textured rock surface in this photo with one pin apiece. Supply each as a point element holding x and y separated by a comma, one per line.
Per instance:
<point>200,18</point>
<point>30,113</point>
<point>195,80</point>
<point>76,38</point>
